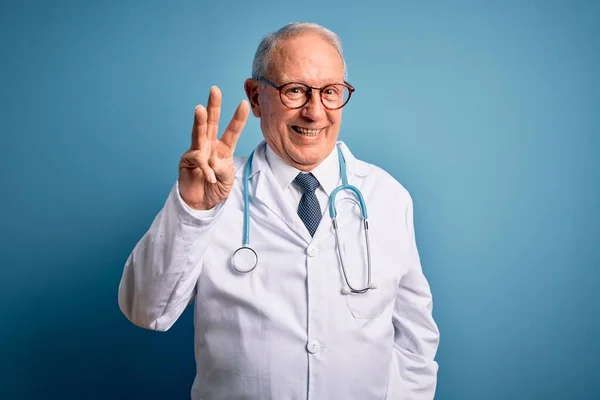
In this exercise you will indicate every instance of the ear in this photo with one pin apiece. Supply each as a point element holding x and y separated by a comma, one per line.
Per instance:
<point>251,87</point>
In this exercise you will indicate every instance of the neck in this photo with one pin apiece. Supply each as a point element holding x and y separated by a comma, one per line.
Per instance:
<point>299,166</point>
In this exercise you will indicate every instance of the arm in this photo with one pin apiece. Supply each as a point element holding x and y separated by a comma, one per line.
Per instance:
<point>416,334</point>
<point>160,274</point>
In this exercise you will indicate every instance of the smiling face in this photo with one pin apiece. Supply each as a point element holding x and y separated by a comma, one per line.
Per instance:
<point>306,136</point>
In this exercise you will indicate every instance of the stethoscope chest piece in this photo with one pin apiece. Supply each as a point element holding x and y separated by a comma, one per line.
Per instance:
<point>244,259</point>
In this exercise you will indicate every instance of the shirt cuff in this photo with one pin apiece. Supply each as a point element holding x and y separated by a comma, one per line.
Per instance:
<point>199,213</point>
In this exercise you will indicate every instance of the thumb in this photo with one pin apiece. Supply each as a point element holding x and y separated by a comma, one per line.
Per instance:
<point>223,169</point>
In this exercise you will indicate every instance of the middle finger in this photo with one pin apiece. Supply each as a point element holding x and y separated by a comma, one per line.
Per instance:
<point>214,112</point>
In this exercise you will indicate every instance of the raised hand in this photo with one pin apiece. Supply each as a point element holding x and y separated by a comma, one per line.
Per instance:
<point>206,172</point>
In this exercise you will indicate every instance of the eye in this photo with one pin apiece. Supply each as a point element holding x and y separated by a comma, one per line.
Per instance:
<point>294,90</point>
<point>333,92</point>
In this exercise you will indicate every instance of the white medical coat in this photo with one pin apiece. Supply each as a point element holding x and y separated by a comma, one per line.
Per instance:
<point>285,331</point>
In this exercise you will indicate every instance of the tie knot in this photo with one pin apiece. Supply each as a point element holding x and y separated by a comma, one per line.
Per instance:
<point>307,182</point>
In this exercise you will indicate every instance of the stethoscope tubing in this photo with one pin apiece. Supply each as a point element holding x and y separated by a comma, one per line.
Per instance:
<point>332,213</point>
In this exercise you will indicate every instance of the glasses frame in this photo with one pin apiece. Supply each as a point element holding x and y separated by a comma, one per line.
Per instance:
<point>309,92</point>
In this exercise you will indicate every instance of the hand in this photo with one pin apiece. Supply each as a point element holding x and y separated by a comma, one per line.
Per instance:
<point>206,171</point>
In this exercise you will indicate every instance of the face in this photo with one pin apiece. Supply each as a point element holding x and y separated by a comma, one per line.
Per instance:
<point>306,136</point>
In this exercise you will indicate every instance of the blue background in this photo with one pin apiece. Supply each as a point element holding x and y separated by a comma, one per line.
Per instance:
<point>487,112</point>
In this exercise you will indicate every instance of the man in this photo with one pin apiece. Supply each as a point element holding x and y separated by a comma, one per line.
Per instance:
<point>291,328</point>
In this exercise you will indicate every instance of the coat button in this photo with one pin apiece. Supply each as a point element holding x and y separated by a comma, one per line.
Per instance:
<point>313,347</point>
<point>312,251</point>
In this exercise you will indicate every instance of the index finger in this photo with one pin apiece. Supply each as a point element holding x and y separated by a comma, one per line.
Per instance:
<point>213,110</point>
<point>199,128</point>
<point>236,125</point>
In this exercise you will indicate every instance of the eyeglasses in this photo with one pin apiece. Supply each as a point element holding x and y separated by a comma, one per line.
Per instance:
<point>296,95</point>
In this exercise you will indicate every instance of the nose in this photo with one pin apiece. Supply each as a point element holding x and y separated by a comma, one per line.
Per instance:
<point>314,109</point>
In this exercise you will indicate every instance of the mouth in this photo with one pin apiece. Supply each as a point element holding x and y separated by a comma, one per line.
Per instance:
<point>306,131</point>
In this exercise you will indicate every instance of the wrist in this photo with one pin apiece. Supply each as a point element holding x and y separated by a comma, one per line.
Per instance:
<point>202,206</point>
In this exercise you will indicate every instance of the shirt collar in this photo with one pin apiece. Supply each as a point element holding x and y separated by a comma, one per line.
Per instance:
<point>327,172</point>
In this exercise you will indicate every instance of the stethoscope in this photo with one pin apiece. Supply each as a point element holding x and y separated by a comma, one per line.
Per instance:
<point>245,258</point>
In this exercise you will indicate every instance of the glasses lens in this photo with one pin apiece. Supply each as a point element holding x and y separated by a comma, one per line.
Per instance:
<point>335,96</point>
<point>294,94</point>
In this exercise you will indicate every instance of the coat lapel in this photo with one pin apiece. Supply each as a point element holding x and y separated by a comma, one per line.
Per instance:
<point>266,192</point>
<point>348,212</point>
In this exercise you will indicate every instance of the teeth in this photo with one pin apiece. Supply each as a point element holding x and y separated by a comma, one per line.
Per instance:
<point>309,132</point>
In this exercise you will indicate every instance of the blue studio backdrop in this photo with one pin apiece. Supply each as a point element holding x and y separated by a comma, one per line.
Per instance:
<point>487,112</point>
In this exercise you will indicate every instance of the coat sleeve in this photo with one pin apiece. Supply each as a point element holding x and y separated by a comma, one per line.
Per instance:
<point>416,335</point>
<point>160,274</point>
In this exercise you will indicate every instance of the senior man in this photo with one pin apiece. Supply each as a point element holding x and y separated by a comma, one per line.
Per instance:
<point>308,308</point>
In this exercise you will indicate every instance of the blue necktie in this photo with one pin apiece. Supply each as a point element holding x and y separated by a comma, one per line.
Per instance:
<point>309,209</point>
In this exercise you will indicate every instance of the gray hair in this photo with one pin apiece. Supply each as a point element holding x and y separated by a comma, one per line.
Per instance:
<point>262,58</point>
